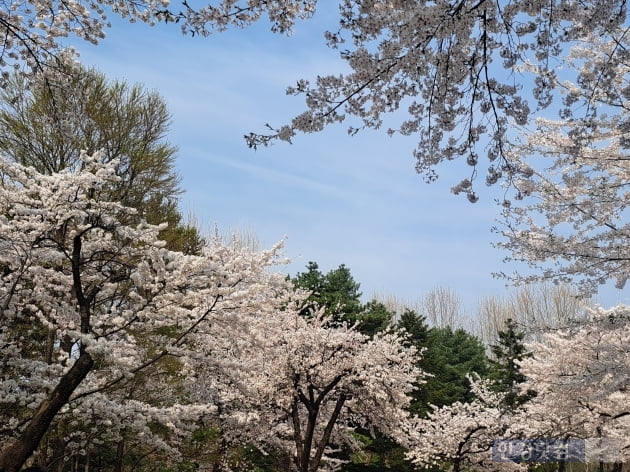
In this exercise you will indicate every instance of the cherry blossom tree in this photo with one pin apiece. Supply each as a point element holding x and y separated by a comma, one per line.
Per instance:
<point>305,389</point>
<point>32,30</point>
<point>569,217</point>
<point>572,226</point>
<point>582,378</point>
<point>455,67</point>
<point>129,317</point>
<point>117,302</point>
<point>462,434</point>
<point>454,74</point>
<point>581,375</point>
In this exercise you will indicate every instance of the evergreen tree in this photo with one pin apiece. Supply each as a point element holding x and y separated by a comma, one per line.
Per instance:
<point>313,281</point>
<point>507,353</point>
<point>416,327</point>
<point>336,291</point>
<point>338,294</point>
<point>373,318</point>
<point>450,357</point>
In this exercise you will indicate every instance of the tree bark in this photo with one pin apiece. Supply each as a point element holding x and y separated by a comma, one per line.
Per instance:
<point>13,456</point>
<point>308,439</point>
<point>327,432</point>
<point>120,454</point>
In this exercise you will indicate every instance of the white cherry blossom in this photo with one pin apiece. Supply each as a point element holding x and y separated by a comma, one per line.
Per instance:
<point>582,378</point>
<point>462,434</point>
<point>306,384</point>
<point>89,303</point>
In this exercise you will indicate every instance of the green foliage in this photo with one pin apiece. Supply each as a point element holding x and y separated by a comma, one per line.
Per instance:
<point>48,123</point>
<point>179,236</point>
<point>203,446</point>
<point>248,458</point>
<point>178,467</point>
<point>337,292</point>
<point>509,350</point>
<point>378,454</point>
<point>418,332</point>
<point>312,279</point>
<point>416,327</point>
<point>450,356</point>
<point>373,318</point>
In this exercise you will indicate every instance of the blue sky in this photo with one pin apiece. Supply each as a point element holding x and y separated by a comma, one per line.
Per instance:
<point>337,199</point>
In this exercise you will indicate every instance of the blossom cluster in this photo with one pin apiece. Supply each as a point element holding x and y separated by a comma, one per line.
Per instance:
<point>78,281</point>
<point>308,376</point>
<point>462,433</point>
<point>582,377</point>
<point>169,339</point>
<point>569,216</point>
<point>458,76</point>
<point>33,30</point>
<point>580,374</point>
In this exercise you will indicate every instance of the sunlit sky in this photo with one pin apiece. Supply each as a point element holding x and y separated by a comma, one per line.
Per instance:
<point>336,199</point>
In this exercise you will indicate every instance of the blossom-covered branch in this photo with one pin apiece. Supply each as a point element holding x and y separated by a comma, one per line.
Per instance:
<point>90,303</point>
<point>457,75</point>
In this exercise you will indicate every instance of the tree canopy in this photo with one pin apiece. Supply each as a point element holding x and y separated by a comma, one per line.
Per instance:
<point>118,304</point>
<point>33,31</point>
<point>582,377</point>
<point>456,68</point>
<point>337,293</point>
<point>458,75</point>
<point>104,291</point>
<point>46,123</point>
<point>101,323</point>
<point>451,356</point>
<point>464,77</point>
<point>507,355</point>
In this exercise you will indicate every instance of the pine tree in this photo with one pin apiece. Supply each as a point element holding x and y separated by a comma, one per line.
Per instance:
<point>336,292</point>
<point>507,353</point>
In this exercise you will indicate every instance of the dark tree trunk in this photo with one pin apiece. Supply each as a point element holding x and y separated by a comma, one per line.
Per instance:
<point>120,454</point>
<point>327,432</point>
<point>55,450</point>
<point>308,440</point>
<point>15,454</point>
